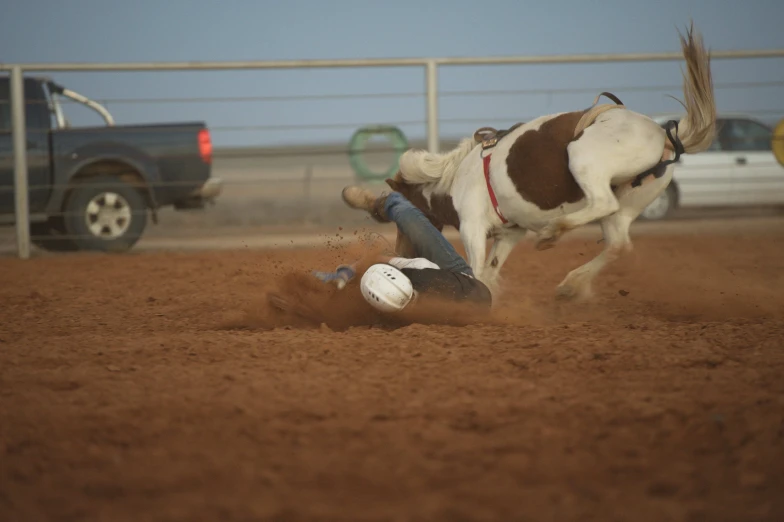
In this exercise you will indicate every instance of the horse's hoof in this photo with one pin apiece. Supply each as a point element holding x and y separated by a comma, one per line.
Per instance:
<point>565,293</point>
<point>547,237</point>
<point>549,234</point>
<point>572,294</point>
<point>545,243</point>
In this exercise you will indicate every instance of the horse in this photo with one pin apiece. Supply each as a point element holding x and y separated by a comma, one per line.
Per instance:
<point>558,172</point>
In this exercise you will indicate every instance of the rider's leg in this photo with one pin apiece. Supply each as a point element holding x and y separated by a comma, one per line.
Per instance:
<point>425,238</point>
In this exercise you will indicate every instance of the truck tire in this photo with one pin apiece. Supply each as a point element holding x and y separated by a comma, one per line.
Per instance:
<point>663,206</point>
<point>105,214</point>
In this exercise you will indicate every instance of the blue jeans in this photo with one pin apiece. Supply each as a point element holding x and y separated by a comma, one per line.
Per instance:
<point>426,240</point>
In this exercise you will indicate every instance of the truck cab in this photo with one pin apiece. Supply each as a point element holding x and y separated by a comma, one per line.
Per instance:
<point>38,148</point>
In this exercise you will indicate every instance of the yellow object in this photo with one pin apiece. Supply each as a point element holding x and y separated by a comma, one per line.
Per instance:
<point>778,142</point>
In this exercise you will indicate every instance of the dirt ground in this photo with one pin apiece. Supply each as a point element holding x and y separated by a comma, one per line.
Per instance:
<point>159,386</point>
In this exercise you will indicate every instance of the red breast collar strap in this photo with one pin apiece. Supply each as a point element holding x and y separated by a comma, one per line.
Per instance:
<point>486,162</point>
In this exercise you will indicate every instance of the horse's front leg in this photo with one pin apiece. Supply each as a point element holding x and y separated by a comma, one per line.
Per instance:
<point>503,246</point>
<point>473,234</point>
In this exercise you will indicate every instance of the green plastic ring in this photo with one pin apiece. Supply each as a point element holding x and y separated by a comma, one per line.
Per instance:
<point>357,146</point>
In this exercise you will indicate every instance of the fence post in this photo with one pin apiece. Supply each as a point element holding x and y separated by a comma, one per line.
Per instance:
<point>431,86</point>
<point>19,133</point>
<point>308,189</point>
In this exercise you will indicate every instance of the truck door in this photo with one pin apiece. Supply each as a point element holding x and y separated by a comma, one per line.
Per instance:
<point>38,122</point>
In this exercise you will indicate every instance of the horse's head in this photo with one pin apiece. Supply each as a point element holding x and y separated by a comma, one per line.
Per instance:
<point>413,193</point>
<point>439,210</point>
<point>438,207</point>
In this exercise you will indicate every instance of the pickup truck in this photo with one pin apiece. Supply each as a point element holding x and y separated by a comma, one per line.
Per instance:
<point>93,188</point>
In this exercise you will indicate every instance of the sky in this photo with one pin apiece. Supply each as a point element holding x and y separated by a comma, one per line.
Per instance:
<point>276,107</point>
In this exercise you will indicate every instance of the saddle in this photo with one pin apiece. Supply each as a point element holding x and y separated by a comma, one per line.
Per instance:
<point>488,136</point>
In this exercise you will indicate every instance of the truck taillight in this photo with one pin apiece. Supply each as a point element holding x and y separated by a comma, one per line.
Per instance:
<point>205,146</point>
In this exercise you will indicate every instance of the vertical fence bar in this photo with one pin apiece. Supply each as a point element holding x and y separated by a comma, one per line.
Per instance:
<point>308,192</point>
<point>19,133</point>
<point>432,106</point>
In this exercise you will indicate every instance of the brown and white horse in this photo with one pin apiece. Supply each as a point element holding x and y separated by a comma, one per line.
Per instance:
<point>559,172</point>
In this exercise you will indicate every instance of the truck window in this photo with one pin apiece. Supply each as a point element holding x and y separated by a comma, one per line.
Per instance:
<point>5,107</point>
<point>37,115</point>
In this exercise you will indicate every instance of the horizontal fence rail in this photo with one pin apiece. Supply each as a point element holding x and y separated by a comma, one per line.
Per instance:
<point>314,175</point>
<point>386,62</point>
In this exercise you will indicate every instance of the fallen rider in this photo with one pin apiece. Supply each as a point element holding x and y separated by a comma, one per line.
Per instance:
<point>392,283</point>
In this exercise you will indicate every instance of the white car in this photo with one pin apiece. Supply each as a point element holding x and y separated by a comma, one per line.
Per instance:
<point>739,169</point>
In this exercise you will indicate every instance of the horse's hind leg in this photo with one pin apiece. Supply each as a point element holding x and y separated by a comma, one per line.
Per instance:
<point>600,202</point>
<point>615,229</point>
<point>610,151</point>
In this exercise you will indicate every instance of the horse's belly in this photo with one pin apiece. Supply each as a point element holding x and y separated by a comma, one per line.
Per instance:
<point>529,216</point>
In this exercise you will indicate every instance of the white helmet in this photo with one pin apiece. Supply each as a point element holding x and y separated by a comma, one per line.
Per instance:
<point>386,288</point>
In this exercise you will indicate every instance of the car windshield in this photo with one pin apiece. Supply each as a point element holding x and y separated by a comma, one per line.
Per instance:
<point>747,135</point>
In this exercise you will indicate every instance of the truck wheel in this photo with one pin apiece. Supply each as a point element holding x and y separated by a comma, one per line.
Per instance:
<point>663,206</point>
<point>48,236</point>
<point>103,213</point>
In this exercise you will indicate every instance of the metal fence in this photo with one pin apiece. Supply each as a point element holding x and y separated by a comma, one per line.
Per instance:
<point>319,158</point>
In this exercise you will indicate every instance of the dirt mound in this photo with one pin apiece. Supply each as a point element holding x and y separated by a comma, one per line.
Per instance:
<point>298,299</point>
<point>301,301</point>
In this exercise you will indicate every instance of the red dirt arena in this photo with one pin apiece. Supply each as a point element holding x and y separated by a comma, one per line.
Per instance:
<point>160,386</point>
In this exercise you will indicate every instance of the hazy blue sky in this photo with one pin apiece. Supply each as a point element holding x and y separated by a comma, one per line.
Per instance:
<point>169,30</point>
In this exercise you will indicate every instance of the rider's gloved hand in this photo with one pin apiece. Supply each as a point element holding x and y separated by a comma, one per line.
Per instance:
<point>340,277</point>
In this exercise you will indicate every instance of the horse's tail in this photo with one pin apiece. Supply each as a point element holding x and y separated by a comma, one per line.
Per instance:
<point>419,166</point>
<point>698,128</point>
